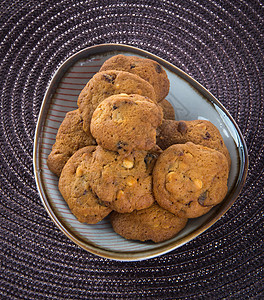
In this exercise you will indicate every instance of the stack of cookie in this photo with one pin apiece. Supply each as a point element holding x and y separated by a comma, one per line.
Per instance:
<point>122,152</point>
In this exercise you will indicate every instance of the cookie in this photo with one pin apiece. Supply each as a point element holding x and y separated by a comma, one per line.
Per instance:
<point>74,185</point>
<point>147,69</point>
<point>70,137</point>
<point>123,183</point>
<point>168,110</point>
<point>153,223</point>
<point>126,122</point>
<point>108,83</point>
<point>189,179</point>
<point>200,132</point>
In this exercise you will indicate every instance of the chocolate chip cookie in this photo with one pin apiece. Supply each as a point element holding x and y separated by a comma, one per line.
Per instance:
<point>189,179</point>
<point>168,110</point>
<point>74,185</point>
<point>147,69</point>
<point>153,223</point>
<point>123,183</point>
<point>108,83</point>
<point>70,137</point>
<point>126,122</point>
<point>200,132</point>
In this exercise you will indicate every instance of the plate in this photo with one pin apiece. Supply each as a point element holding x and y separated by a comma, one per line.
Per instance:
<point>190,101</point>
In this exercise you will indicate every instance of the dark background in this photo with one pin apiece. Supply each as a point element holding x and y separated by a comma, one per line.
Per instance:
<point>218,43</point>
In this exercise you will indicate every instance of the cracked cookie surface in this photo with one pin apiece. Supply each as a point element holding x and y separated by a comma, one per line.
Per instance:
<point>148,69</point>
<point>124,183</point>
<point>126,122</point>
<point>108,83</point>
<point>153,223</point>
<point>74,185</point>
<point>189,179</point>
<point>70,137</point>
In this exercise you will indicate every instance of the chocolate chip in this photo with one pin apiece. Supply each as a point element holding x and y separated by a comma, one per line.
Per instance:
<point>207,135</point>
<point>84,192</point>
<point>115,107</point>
<point>120,145</point>
<point>148,159</point>
<point>158,68</point>
<point>132,66</point>
<point>182,127</point>
<point>109,78</point>
<point>202,198</point>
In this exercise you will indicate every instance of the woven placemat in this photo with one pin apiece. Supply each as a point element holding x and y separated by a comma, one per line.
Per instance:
<point>220,44</point>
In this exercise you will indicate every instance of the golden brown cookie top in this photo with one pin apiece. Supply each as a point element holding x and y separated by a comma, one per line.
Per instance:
<point>189,179</point>
<point>74,185</point>
<point>201,132</point>
<point>126,122</point>
<point>147,69</point>
<point>70,137</point>
<point>107,83</point>
<point>123,183</point>
<point>153,223</point>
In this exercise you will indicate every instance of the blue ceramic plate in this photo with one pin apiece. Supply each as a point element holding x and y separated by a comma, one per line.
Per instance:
<point>190,100</point>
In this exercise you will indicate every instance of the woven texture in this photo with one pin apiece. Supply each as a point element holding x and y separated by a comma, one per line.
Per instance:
<point>220,44</point>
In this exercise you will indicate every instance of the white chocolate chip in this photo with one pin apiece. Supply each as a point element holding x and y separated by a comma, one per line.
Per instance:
<point>79,171</point>
<point>169,177</point>
<point>131,181</point>
<point>198,183</point>
<point>128,163</point>
<point>201,126</point>
<point>189,155</point>
<point>120,194</point>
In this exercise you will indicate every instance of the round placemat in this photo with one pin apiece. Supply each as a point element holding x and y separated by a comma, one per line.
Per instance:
<point>218,43</point>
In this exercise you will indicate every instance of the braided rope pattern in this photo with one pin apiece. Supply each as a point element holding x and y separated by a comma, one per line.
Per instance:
<point>220,44</point>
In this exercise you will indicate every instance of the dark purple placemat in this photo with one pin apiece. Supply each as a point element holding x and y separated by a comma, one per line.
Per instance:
<point>220,44</point>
